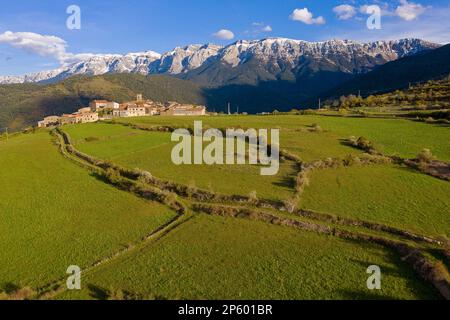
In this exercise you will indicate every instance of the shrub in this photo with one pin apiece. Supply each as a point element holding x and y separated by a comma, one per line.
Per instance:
<point>146,177</point>
<point>291,204</point>
<point>429,120</point>
<point>301,181</point>
<point>440,272</point>
<point>351,160</point>
<point>253,196</point>
<point>113,176</point>
<point>316,128</point>
<point>25,293</point>
<point>425,156</point>
<point>191,189</point>
<point>119,294</point>
<point>364,144</point>
<point>169,198</point>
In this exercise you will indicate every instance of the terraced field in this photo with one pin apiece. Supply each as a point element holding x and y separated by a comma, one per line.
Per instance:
<point>54,214</point>
<point>386,194</point>
<point>240,259</point>
<point>152,151</point>
<point>306,236</point>
<point>392,136</point>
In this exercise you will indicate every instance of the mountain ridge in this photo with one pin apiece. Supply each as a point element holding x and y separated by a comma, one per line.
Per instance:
<point>397,74</point>
<point>273,53</point>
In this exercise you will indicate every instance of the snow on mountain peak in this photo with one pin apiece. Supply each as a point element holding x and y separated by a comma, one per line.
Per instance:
<point>269,52</point>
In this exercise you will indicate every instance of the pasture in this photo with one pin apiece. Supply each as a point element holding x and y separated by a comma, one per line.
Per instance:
<point>405,138</point>
<point>224,258</point>
<point>54,214</point>
<point>151,151</point>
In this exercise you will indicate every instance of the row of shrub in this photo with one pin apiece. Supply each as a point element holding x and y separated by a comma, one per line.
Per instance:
<point>430,270</point>
<point>16,294</point>
<point>427,163</point>
<point>363,144</point>
<point>114,177</point>
<point>227,211</point>
<point>369,225</point>
<point>302,179</point>
<point>146,178</point>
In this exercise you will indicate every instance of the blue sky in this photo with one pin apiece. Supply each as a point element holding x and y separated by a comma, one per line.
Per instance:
<point>111,26</point>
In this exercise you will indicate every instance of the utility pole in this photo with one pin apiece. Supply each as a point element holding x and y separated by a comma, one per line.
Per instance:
<point>359,93</point>
<point>320,104</point>
<point>7,137</point>
<point>229,109</point>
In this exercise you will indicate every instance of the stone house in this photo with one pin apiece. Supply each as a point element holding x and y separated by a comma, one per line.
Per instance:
<point>130,110</point>
<point>49,122</point>
<point>184,110</point>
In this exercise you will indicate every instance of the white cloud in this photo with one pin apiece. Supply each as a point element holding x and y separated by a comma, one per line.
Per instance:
<point>258,27</point>
<point>305,16</point>
<point>43,45</point>
<point>344,11</point>
<point>432,26</point>
<point>224,34</point>
<point>409,10</point>
<point>384,7</point>
<point>267,29</point>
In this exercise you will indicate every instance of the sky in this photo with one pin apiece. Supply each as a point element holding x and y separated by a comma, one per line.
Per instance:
<point>34,35</point>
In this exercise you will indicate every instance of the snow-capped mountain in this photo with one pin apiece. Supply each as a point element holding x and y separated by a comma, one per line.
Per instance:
<point>247,61</point>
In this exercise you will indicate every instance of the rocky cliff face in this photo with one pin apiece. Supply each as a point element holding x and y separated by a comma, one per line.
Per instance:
<point>243,62</point>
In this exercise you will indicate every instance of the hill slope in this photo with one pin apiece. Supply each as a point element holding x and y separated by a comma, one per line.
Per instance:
<point>399,74</point>
<point>22,105</point>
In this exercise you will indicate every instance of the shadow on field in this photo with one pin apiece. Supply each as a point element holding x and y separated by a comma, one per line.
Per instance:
<point>9,287</point>
<point>99,177</point>
<point>286,182</point>
<point>364,295</point>
<point>98,292</point>
<point>385,269</point>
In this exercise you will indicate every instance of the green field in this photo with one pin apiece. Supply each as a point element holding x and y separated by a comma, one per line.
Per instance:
<point>54,214</point>
<point>219,258</point>
<point>392,136</point>
<point>151,151</point>
<point>395,196</point>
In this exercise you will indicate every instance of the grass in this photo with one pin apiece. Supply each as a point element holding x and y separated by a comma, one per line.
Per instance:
<point>390,195</point>
<point>54,214</point>
<point>225,258</point>
<point>392,136</point>
<point>151,151</point>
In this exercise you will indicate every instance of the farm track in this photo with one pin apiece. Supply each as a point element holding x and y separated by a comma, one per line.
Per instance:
<point>412,248</point>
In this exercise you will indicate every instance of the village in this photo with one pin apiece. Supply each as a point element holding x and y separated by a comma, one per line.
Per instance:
<point>104,110</point>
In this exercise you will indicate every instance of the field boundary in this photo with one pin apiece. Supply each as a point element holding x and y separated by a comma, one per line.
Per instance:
<point>139,182</point>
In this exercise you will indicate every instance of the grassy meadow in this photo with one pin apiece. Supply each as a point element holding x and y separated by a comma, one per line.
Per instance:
<point>54,213</point>
<point>405,138</point>
<point>151,151</point>
<point>386,194</point>
<point>222,258</point>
